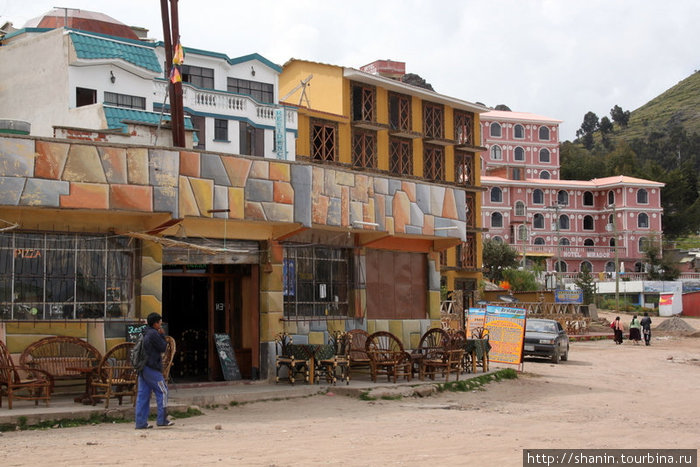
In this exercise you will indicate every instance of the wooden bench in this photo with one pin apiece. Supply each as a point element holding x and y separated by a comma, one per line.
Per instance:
<point>60,357</point>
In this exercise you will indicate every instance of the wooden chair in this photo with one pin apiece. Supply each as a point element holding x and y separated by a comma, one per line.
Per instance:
<point>358,353</point>
<point>168,357</point>
<point>294,358</point>
<point>334,358</point>
<point>438,356</point>
<point>458,340</point>
<point>36,383</point>
<point>115,376</point>
<point>387,357</point>
<point>432,344</point>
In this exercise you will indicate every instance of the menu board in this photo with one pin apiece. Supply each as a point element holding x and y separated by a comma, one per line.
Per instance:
<point>227,357</point>
<point>506,327</point>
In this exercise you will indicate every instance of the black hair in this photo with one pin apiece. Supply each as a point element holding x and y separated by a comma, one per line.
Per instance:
<point>153,318</point>
<point>617,318</point>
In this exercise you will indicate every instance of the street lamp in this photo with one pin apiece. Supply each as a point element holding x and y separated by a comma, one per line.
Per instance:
<point>613,227</point>
<point>557,266</point>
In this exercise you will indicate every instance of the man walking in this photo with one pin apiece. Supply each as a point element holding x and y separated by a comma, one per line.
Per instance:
<point>151,377</point>
<point>646,328</point>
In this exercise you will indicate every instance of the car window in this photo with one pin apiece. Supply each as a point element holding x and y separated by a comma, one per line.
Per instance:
<point>540,326</point>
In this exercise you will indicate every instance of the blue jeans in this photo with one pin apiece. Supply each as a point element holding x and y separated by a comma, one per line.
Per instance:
<point>151,380</point>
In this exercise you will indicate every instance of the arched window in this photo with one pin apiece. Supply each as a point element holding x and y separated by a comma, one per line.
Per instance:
<point>589,244</point>
<point>560,266</point>
<point>496,195</point>
<point>519,131</point>
<point>519,208</point>
<point>522,233</point>
<point>537,196</point>
<point>639,267</point>
<point>519,154</point>
<point>544,155</point>
<point>643,220</point>
<point>564,222</point>
<point>544,133</point>
<point>539,241</point>
<point>588,223</point>
<point>611,198</point>
<point>497,239</point>
<point>612,242</point>
<point>564,241</point>
<point>586,266</point>
<point>544,175</point>
<point>496,153</point>
<point>610,266</point>
<point>643,244</point>
<point>538,221</point>
<point>495,130</point>
<point>587,198</point>
<point>563,198</point>
<point>496,219</point>
<point>642,196</point>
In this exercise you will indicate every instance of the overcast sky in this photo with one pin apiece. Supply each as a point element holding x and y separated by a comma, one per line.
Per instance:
<point>557,58</point>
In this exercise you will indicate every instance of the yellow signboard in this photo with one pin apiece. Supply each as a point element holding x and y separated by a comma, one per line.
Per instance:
<point>506,330</point>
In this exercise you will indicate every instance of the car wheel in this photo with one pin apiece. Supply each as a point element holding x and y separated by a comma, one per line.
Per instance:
<point>555,355</point>
<point>565,357</point>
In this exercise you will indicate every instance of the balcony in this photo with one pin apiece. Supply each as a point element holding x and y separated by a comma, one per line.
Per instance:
<point>571,251</point>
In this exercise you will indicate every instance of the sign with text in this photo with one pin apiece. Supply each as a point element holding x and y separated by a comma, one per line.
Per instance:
<point>568,296</point>
<point>475,319</point>
<point>506,327</point>
<point>227,357</point>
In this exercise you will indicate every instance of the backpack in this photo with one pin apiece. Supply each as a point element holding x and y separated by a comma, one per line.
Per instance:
<point>138,354</point>
<point>612,325</point>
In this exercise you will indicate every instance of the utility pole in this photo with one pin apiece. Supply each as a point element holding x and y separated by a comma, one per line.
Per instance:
<point>171,38</point>
<point>613,226</point>
<point>557,266</point>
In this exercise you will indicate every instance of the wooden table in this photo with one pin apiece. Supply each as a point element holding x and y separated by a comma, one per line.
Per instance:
<point>87,371</point>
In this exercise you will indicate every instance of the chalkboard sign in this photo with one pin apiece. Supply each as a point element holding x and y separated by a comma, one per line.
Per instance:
<point>134,330</point>
<point>227,357</point>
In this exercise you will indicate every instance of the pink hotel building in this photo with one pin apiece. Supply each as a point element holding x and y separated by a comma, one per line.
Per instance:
<point>524,196</point>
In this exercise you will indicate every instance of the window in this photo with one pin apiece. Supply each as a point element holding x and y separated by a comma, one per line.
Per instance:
<point>564,241</point>
<point>317,281</point>
<point>643,244</point>
<point>262,92</point>
<point>399,111</point>
<point>564,222</point>
<point>433,163</point>
<point>85,96</point>
<point>433,120</point>
<point>519,208</point>
<point>124,100</point>
<point>496,153</point>
<point>518,131</point>
<point>497,239</point>
<point>251,140</point>
<point>544,133</point>
<point>539,241</point>
<point>519,154</point>
<point>495,130</point>
<point>588,223</point>
<point>611,198</point>
<point>612,242</point>
<point>496,195</point>
<point>586,266</point>
<point>466,252</point>
<point>401,156</point>
<point>200,126</point>
<point>516,173</point>
<point>464,168</point>
<point>643,221</point>
<point>496,220</point>
<point>65,276</point>
<point>537,196</point>
<point>587,198</point>
<point>544,175</point>
<point>560,266</point>
<point>544,155</point>
<point>588,242</point>
<point>522,233</point>
<point>642,196</point>
<point>464,123</point>
<point>220,129</point>
<point>323,146</point>
<point>562,198</point>
<point>364,149</point>
<point>538,221</point>
<point>363,103</point>
<point>198,76</point>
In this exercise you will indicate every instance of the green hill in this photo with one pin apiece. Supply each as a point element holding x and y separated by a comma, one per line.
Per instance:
<point>678,106</point>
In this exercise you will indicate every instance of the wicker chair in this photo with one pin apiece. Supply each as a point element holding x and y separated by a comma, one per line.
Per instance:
<point>36,383</point>
<point>334,358</point>
<point>437,356</point>
<point>387,357</point>
<point>115,376</point>
<point>358,353</point>
<point>168,357</point>
<point>292,357</point>
<point>59,356</point>
<point>458,340</point>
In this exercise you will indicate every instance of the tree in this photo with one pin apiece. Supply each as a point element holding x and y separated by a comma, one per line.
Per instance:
<point>503,107</point>
<point>521,281</point>
<point>605,127</point>
<point>584,281</point>
<point>619,116</point>
<point>498,256</point>
<point>588,127</point>
<point>659,268</point>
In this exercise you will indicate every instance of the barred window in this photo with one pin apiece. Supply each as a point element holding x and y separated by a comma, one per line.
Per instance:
<point>464,168</point>
<point>433,120</point>
<point>434,163</point>
<point>363,103</point>
<point>401,156</point>
<point>364,149</point>
<point>65,276</point>
<point>323,146</point>
<point>464,123</point>
<point>399,111</point>
<point>317,281</point>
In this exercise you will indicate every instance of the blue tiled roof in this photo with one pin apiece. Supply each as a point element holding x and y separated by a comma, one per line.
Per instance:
<point>92,47</point>
<point>116,116</point>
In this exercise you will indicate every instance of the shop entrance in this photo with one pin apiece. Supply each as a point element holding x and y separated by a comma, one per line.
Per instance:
<point>202,300</point>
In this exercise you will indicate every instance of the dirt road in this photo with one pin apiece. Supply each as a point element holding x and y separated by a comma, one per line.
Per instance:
<point>606,396</point>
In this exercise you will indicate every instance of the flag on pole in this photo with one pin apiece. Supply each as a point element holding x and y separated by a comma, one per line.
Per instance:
<point>175,76</point>
<point>178,55</point>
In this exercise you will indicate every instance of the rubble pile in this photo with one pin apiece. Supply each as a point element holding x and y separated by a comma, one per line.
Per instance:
<point>675,324</point>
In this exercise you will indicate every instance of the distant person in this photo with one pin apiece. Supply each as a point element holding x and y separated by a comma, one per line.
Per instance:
<point>635,330</point>
<point>646,328</point>
<point>618,328</point>
<point>151,377</point>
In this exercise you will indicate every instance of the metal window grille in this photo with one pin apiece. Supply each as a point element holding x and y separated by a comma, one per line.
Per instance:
<point>464,168</point>
<point>433,120</point>
<point>399,112</point>
<point>364,149</point>
<point>401,157</point>
<point>363,103</point>
<point>434,163</point>
<point>323,145</point>
<point>464,128</point>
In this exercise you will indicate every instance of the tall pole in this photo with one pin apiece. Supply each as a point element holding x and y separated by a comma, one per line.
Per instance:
<point>617,259</point>
<point>171,37</point>
<point>557,265</point>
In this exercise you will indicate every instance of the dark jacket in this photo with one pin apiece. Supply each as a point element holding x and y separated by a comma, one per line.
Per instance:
<point>646,323</point>
<point>154,344</point>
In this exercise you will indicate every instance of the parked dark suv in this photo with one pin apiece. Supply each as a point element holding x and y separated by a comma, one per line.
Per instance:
<point>546,338</point>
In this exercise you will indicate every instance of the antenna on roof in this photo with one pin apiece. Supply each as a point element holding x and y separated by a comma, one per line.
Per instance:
<point>302,85</point>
